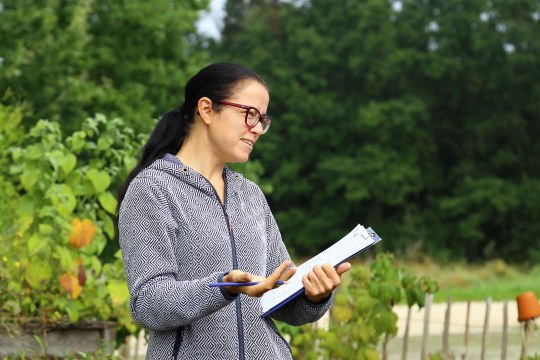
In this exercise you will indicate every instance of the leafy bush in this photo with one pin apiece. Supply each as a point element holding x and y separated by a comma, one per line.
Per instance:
<point>362,315</point>
<point>59,260</point>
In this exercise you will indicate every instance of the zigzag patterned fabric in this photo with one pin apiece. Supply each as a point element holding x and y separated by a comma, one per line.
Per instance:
<point>176,237</point>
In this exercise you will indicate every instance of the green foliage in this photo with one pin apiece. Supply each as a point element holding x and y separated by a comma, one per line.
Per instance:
<point>55,266</point>
<point>420,120</point>
<point>362,315</point>
<point>65,59</point>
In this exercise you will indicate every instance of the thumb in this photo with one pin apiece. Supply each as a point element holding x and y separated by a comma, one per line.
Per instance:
<point>343,268</point>
<point>237,276</point>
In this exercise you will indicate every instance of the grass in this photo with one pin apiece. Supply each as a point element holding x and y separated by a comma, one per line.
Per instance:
<point>463,282</point>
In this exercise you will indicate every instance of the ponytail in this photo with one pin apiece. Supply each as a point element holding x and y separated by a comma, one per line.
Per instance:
<point>167,137</point>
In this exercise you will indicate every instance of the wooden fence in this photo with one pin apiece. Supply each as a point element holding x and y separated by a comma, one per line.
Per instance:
<point>526,329</point>
<point>473,318</point>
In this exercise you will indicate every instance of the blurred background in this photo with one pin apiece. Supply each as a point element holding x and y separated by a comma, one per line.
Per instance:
<point>419,118</point>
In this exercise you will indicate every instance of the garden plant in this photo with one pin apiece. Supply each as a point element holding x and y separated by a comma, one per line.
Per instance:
<point>60,263</point>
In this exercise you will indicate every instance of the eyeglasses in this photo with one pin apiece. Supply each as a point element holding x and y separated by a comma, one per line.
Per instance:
<point>253,115</point>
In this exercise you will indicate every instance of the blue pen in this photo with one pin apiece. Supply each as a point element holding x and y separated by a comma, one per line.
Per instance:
<point>279,282</point>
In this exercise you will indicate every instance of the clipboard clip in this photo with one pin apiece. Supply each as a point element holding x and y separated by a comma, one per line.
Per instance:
<point>373,234</point>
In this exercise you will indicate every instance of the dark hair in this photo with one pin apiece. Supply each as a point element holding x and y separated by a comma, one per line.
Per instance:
<point>218,82</point>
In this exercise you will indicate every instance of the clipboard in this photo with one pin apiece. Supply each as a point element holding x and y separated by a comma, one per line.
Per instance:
<point>357,241</point>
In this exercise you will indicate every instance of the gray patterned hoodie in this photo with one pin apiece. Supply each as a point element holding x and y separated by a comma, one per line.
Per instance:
<point>176,237</point>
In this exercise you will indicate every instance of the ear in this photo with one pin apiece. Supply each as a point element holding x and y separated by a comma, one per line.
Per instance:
<point>205,110</point>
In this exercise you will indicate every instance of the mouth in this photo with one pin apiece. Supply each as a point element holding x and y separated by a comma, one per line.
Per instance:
<point>249,143</point>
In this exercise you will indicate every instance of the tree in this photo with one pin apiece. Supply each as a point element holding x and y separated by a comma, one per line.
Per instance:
<point>66,60</point>
<point>416,118</point>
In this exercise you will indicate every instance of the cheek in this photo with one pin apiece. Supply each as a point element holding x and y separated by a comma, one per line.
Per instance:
<point>223,136</point>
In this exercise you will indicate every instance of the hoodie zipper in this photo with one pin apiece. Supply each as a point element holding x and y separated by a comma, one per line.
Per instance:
<point>177,342</point>
<point>238,303</point>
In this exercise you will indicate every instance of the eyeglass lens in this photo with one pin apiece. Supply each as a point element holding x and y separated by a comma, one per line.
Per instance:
<point>253,116</point>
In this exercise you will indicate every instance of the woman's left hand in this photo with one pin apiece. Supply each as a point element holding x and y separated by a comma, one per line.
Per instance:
<point>322,280</point>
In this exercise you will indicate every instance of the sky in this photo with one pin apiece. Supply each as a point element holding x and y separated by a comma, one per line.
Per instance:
<point>210,21</point>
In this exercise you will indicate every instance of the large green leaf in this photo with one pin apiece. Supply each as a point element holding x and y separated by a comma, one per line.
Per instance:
<point>64,160</point>
<point>100,179</point>
<point>108,226</point>
<point>80,185</point>
<point>37,273</point>
<point>118,291</point>
<point>30,176</point>
<point>36,243</point>
<point>108,201</point>
<point>385,322</point>
<point>62,198</point>
<point>66,260</point>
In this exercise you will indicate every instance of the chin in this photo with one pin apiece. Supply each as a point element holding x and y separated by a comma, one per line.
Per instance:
<point>239,159</point>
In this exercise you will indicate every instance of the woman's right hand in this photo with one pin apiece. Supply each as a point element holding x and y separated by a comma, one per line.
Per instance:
<point>281,273</point>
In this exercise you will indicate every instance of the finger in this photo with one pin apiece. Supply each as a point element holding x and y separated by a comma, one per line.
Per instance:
<point>257,278</point>
<point>312,287</point>
<point>308,287</point>
<point>237,276</point>
<point>279,271</point>
<point>331,272</point>
<point>288,274</point>
<point>317,283</point>
<point>270,281</point>
<point>324,283</point>
<point>341,269</point>
<point>319,274</point>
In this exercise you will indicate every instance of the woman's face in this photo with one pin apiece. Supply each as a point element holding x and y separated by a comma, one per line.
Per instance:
<point>231,138</point>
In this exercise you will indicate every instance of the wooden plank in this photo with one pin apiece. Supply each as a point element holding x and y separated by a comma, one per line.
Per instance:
<point>446,331</point>
<point>527,327</point>
<point>425,335</point>
<point>466,335</point>
<point>485,331</point>
<point>504,342</point>
<point>405,346</point>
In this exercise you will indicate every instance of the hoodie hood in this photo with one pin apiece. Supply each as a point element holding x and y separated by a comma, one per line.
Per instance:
<point>171,165</point>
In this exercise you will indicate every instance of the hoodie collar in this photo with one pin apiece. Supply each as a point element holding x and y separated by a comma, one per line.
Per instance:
<point>171,165</point>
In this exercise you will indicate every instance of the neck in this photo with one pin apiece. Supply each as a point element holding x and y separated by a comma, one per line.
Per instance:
<point>194,154</point>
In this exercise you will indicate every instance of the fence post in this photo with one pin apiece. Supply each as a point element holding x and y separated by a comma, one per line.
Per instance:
<point>446,331</point>
<point>527,327</point>
<point>466,336</point>
<point>405,347</point>
<point>504,349</point>
<point>485,332</point>
<point>425,335</point>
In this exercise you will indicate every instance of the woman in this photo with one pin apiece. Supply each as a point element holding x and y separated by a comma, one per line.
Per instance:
<point>186,220</point>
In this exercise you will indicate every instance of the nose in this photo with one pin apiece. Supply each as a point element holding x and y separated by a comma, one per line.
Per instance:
<point>257,129</point>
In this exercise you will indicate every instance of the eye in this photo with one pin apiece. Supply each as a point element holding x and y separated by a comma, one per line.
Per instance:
<point>252,114</point>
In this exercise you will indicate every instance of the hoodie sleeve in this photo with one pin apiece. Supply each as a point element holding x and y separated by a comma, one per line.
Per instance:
<point>300,310</point>
<point>158,300</point>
